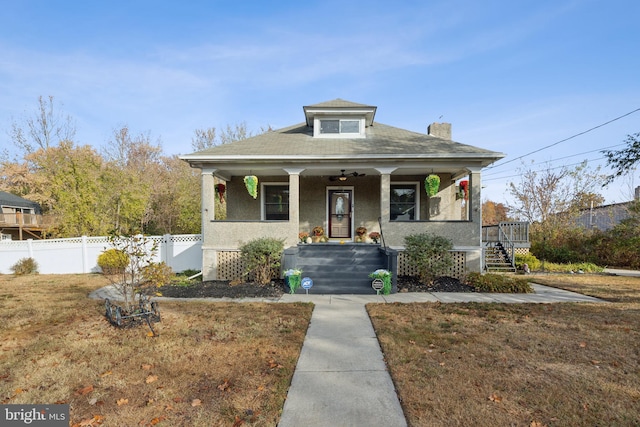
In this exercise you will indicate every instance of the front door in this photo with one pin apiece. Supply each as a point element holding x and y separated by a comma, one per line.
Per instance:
<point>340,213</point>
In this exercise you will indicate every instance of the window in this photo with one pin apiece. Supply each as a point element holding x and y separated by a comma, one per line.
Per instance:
<point>404,202</point>
<point>329,126</point>
<point>276,202</point>
<point>339,126</point>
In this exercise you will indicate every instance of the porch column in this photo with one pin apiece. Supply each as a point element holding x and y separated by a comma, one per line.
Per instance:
<point>294,197</point>
<point>475,260</point>
<point>209,256</point>
<point>208,195</point>
<point>385,194</point>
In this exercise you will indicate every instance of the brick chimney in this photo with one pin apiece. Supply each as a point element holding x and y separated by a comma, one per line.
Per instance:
<point>440,130</point>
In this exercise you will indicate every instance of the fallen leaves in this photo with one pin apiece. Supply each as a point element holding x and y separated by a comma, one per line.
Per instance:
<point>225,385</point>
<point>495,398</point>
<point>122,401</point>
<point>151,378</point>
<point>196,402</point>
<point>84,390</point>
<point>90,422</point>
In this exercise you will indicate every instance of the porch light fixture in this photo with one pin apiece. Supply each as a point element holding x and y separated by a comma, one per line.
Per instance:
<point>342,177</point>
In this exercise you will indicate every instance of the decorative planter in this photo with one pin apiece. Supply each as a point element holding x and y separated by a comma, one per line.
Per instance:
<point>251,182</point>
<point>432,185</point>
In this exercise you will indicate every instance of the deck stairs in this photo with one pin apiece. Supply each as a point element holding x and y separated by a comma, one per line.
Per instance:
<point>496,259</point>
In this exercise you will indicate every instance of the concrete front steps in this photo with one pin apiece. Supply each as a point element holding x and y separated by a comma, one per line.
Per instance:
<point>337,268</point>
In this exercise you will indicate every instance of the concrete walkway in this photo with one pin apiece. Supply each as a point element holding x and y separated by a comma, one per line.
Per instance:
<point>341,378</point>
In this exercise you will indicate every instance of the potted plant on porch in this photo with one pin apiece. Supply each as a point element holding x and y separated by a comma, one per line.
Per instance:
<point>361,235</point>
<point>318,234</point>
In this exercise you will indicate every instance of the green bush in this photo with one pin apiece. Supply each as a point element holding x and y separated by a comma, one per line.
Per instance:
<point>25,266</point>
<point>529,259</point>
<point>113,261</point>
<point>498,283</point>
<point>157,274</point>
<point>430,254</point>
<point>262,258</point>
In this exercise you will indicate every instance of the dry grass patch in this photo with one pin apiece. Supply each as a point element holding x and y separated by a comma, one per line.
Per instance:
<point>605,286</point>
<point>212,363</point>
<point>514,364</point>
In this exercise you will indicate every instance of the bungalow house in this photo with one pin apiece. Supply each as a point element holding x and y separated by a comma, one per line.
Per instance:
<point>19,218</point>
<point>342,171</point>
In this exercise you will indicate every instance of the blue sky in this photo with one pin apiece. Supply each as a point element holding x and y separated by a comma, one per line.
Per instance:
<point>510,76</point>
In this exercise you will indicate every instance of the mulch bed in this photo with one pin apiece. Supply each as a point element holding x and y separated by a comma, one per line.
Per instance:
<point>224,289</point>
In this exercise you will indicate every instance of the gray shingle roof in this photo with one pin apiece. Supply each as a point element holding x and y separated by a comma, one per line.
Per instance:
<point>382,141</point>
<point>8,199</point>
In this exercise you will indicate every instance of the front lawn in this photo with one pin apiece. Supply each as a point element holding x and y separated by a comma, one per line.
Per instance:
<point>212,363</point>
<point>518,364</point>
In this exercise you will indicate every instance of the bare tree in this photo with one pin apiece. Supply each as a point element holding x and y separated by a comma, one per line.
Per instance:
<point>210,137</point>
<point>44,129</point>
<point>203,139</point>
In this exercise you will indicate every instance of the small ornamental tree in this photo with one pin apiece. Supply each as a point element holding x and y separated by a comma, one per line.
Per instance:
<point>430,254</point>
<point>139,252</point>
<point>262,258</point>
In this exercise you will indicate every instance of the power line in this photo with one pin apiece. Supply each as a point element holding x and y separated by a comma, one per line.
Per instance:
<point>565,157</point>
<point>554,168</point>
<point>567,139</point>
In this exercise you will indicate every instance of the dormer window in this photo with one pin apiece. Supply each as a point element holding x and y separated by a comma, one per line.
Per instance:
<point>336,127</point>
<point>339,119</point>
<point>339,126</point>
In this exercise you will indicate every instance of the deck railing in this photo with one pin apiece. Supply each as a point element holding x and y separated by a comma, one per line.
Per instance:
<point>514,232</point>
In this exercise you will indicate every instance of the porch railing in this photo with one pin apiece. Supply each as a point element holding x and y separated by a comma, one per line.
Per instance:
<point>384,245</point>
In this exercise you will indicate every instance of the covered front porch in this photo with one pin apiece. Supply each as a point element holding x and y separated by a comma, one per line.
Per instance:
<point>388,200</point>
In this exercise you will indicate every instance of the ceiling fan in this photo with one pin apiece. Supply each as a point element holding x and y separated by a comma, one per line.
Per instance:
<point>343,177</point>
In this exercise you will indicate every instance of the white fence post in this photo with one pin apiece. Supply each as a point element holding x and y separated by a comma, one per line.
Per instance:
<point>85,258</point>
<point>167,252</point>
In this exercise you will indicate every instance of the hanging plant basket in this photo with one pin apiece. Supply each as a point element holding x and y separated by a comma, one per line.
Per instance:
<point>251,182</point>
<point>464,189</point>
<point>220,189</point>
<point>432,185</point>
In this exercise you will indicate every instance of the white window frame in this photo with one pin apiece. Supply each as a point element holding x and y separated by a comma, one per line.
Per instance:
<point>263,201</point>
<point>416,184</point>
<point>340,135</point>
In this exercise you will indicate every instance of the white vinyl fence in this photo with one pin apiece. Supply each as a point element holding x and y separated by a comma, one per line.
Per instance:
<point>80,254</point>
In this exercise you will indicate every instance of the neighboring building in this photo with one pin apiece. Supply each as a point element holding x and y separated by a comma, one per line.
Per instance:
<point>341,170</point>
<point>605,217</point>
<point>19,218</point>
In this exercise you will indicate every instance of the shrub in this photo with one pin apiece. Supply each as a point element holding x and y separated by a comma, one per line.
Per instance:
<point>529,259</point>
<point>262,258</point>
<point>25,266</point>
<point>157,274</point>
<point>113,261</point>
<point>430,254</point>
<point>498,283</point>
